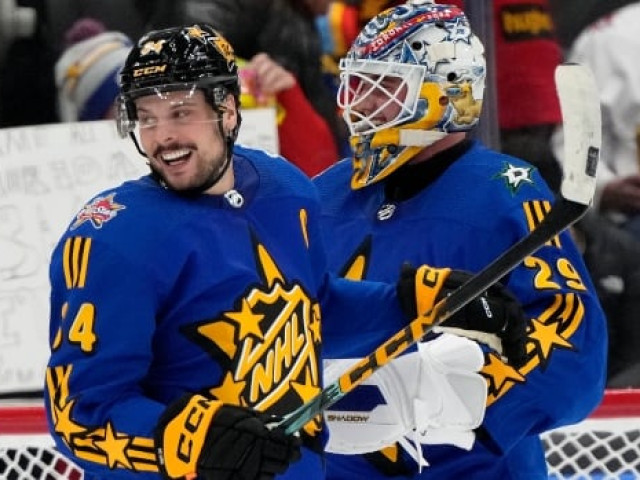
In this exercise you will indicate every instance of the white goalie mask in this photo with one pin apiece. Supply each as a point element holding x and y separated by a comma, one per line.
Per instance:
<point>415,73</point>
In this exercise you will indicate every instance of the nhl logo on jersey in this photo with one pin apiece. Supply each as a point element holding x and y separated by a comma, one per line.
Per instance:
<point>269,341</point>
<point>386,211</point>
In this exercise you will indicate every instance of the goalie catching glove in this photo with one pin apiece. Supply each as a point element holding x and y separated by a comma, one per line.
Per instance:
<point>432,396</point>
<point>495,317</point>
<point>198,435</point>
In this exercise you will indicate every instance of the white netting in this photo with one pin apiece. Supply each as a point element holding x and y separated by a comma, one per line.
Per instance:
<point>36,463</point>
<point>26,449</point>
<point>592,450</point>
<point>605,447</point>
<point>595,449</point>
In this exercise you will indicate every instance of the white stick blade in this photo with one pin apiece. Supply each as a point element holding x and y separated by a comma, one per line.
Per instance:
<point>581,120</point>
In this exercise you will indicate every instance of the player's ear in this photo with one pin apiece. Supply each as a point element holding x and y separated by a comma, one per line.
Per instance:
<point>229,113</point>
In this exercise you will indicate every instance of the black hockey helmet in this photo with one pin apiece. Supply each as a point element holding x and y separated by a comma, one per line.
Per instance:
<point>178,58</point>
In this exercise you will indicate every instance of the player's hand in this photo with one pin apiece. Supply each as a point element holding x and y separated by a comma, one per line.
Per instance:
<point>198,435</point>
<point>495,317</point>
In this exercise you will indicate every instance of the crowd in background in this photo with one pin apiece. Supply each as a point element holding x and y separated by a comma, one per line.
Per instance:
<point>66,70</point>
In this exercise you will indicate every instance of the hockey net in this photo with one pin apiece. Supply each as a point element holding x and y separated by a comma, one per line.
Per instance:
<point>605,446</point>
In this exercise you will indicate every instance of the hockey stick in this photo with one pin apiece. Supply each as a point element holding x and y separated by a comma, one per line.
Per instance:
<point>581,125</point>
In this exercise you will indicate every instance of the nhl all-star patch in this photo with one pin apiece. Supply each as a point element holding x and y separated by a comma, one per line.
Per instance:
<point>514,177</point>
<point>98,212</point>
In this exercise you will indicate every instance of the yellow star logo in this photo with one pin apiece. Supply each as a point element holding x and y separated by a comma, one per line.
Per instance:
<point>151,46</point>
<point>548,338</point>
<point>390,452</point>
<point>196,32</point>
<point>223,47</point>
<point>114,447</point>
<point>500,374</point>
<point>314,324</point>
<point>64,425</point>
<point>230,391</point>
<point>307,390</point>
<point>74,71</point>
<point>248,322</point>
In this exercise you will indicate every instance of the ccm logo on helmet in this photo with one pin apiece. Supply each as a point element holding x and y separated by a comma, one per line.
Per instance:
<point>141,72</point>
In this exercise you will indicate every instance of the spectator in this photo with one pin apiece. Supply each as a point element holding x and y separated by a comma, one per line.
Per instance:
<point>608,47</point>
<point>304,136</point>
<point>613,258</point>
<point>87,72</point>
<point>573,16</point>
<point>527,54</point>
<point>285,31</point>
<point>27,87</point>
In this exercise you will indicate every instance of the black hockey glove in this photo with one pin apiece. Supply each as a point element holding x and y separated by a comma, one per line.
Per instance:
<point>221,442</point>
<point>495,317</point>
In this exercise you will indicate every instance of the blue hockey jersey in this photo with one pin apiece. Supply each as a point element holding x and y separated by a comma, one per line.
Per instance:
<point>464,218</point>
<point>155,294</point>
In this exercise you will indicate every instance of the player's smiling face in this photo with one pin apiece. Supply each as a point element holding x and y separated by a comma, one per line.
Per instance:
<point>180,133</point>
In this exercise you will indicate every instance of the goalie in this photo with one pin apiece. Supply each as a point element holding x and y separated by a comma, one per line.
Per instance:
<point>419,189</point>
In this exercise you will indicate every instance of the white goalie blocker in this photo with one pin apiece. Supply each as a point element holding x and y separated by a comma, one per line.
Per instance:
<point>432,396</point>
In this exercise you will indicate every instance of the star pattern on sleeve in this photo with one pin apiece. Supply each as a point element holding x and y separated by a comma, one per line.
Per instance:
<point>548,338</point>
<point>499,374</point>
<point>64,425</point>
<point>114,446</point>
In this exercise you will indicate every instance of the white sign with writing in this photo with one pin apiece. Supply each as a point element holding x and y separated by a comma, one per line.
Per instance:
<point>47,173</point>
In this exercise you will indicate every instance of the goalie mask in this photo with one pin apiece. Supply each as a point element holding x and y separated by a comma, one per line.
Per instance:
<point>184,59</point>
<point>414,74</point>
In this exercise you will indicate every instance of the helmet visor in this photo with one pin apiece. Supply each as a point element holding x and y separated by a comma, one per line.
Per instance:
<point>180,97</point>
<point>163,113</point>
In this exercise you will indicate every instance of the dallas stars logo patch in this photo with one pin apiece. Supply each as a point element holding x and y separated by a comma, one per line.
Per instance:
<point>515,177</point>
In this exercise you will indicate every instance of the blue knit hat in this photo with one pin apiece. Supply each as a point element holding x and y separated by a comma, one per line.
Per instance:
<point>87,76</point>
